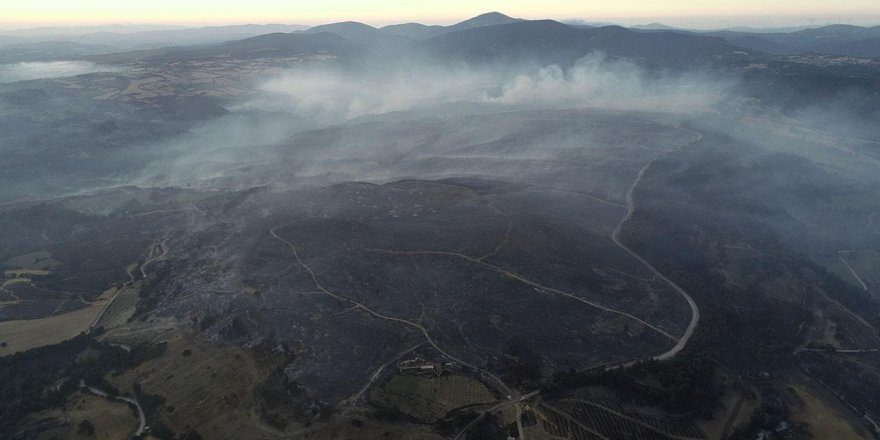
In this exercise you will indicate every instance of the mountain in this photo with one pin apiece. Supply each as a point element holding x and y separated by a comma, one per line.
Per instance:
<point>125,38</point>
<point>483,20</point>
<point>834,39</point>
<point>548,41</point>
<point>348,29</point>
<point>263,46</point>
<point>364,35</point>
<point>869,48</point>
<point>420,31</point>
<point>416,31</point>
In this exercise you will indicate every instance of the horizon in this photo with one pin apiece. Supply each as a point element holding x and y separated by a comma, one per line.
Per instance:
<point>678,13</point>
<point>682,22</point>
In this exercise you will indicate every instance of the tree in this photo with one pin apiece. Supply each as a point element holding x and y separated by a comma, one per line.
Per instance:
<point>86,428</point>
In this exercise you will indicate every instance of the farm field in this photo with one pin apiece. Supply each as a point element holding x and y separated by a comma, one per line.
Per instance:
<point>20,335</point>
<point>121,309</point>
<point>587,420</point>
<point>430,398</point>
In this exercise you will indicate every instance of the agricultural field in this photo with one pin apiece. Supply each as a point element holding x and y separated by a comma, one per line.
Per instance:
<point>430,398</point>
<point>122,308</point>
<point>583,419</point>
<point>24,334</point>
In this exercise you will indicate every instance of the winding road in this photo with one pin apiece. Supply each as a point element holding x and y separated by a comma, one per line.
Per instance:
<point>152,256</point>
<point>513,396</point>
<point>142,424</point>
<point>615,237</point>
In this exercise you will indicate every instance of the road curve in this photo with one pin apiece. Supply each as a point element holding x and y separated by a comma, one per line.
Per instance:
<point>615,237</point>
<point>142,417</point>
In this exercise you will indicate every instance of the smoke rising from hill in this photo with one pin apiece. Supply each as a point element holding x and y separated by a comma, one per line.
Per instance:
<point>307,99</point>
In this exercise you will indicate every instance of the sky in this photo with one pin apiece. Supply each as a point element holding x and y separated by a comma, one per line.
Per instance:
<point>30,13</point>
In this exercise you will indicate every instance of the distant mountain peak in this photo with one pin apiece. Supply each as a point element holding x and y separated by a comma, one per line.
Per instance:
<point>349,25</point>
<point>487,19</point>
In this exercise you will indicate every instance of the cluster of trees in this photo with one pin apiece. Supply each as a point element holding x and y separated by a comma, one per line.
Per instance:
<point>684,385</point>
<point>282,400</point>
<point>519,365</point>
<point>45,377</point>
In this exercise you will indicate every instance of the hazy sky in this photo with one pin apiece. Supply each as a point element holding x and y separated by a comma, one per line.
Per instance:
<point>22,13</point>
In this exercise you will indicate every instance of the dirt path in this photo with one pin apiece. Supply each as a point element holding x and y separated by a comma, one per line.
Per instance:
<point>375,376</point>
<point>130,271</point>
<point>142,424</point>
<point>495,408</point>
<point>498,382</point>
<point>152,256</point>
<point>851,270</point>
<point>615,237</point>
<point>525,281</point>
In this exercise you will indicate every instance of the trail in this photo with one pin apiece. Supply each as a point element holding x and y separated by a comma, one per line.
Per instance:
<point>615,237</point>
<point>501,405</point>
<point>151,257</point>
<point>129,270</point>
<point>851,270</point>
<point>498,382</point>
<point>526,281</point>
<point>142,417</point>
<point>375,376</point>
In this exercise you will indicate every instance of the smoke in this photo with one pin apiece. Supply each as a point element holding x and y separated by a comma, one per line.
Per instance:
<point>321,97</point>
<point>51,69</point>
<point>597,82</point>
<point>297,101</point>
